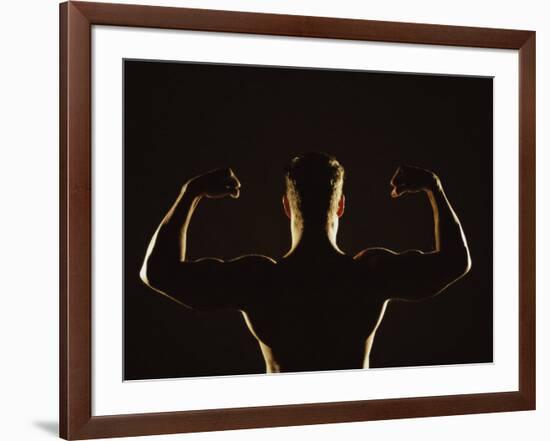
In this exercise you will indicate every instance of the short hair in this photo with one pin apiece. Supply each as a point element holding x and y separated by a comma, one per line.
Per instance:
<point>314,183</point>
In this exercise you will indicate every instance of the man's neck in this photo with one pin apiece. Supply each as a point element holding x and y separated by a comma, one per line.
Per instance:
<point>314,239</point>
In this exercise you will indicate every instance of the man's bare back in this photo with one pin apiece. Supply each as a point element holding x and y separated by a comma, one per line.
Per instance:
<point>314,314</point>
<point>316,308</point>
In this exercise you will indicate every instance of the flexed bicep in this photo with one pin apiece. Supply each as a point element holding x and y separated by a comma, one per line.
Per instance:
<point>204,283</point>
<point>416,274</point>
<point>409,275</point>
<point>213,284</point>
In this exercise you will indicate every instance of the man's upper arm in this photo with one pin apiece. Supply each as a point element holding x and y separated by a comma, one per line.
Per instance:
<point>410,275</point>
<point>209,283</point>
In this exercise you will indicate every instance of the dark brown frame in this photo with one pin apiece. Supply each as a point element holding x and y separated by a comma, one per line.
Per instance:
<point>76,420</point>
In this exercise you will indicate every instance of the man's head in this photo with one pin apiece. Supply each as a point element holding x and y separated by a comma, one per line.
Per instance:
<point>314,183</point>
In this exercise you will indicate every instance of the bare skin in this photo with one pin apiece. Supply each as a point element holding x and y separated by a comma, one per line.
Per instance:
<point>290,305</point>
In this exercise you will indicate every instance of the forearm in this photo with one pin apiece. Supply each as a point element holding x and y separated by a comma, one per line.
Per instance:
<point>450,241</point>
<point>168,244</point>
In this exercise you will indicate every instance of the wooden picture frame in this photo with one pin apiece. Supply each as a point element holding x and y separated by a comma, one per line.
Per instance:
<point>76,420</point>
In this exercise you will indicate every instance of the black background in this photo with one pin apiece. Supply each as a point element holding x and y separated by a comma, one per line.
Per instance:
<point>183,119</point>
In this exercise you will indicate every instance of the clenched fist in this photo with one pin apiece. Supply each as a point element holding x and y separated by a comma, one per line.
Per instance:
<point>215,184</point>
<point>408,179</point>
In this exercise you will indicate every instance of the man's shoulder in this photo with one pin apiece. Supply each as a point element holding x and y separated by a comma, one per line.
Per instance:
<point>259,259</point>
<point>247,258</point>
<point>376,258</point>
<point>374,253</point>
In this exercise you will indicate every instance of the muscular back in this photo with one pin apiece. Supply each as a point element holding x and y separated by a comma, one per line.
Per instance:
<point>315,314</point>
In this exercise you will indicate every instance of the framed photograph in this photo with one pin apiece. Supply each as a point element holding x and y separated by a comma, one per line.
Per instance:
<point>272,220</point>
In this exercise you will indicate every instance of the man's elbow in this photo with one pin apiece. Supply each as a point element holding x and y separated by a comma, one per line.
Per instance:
<point>143,274</point>
<point>466,261</point>
<point>468,264</point>
<point>449,274</point>
<point>461,265</point>
<point>151,274</point>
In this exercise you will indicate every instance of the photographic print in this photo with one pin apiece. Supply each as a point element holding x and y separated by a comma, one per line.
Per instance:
<point>301,220</point>
<point>281,219</point>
